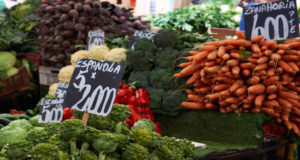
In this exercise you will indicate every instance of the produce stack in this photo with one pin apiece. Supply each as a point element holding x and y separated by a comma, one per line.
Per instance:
<point>237,75</point>
<point>65,24</point>
<point>151,65</point>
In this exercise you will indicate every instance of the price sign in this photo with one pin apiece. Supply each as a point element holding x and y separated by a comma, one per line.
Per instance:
<point>93,86</point>
<point>275,21</point>
<point>95,38</point>
<point>62,90</point>
<point>51,110</point>
<point>138,35</point>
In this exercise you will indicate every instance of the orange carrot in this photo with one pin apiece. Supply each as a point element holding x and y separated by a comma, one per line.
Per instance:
<point>220,87</point>
<point>193,78</point>
<point>194,98</point>
<point>294,58</point>
<point>184,64</point>
<point>272,96</point>
<point>259,100</point>
<point>252,60</point>
<point>244,43</point>
<point>288,94</point>
<point>212,56</point>
<point>221,51</point>
<point>268,52</point>
<point>255,110</point>
<point>210,64</point>
<point>215,43</point>
<point>225,79</point>
<point>247,65</point>
<point>262,60</point>
<point>246,72</point>
<point>225,93</point>
<point>232,100</point>
<point>189,91</point>
<point>241,91</point>
<point>229,47</point>
<point>225,56</point>
<point>271,80</point>
<point>246,106</point>
<point>294,102</point>
<point>280,52</point>
<point>224,69</point>
<point>236,85</point>
<point>211,106</point>
<point>256,89</point>
<point>240,34</point>
<point>275,57</point>
<point>235,55</point>
<point>232,63</point>
<point>285,66</point>
<point>296,111</point>
<point>193,52</point>
<point>219,60</point>
<point>287,124</point>
<point>257,39</point>
<point>283,46</point>
<point>255,48</point>
<point>193,105</point>
<point>188,70</point>
<point>200,56</point>
<point>267,110</point>
<point>236,70</point>
<point>208,48</point>
<point>291,52</point>
<point>264,48</point>
<point>198,84</point>
<point>189,58</point>
<point>295,128</point>
<point>284,103</point>
<point>213,69</point>
<point>271,72</point>
<point>233,42</point>
<point>294,45</point>
<point>261,67</point>
<point>203,90</point>
<point>294,66</point>
<point>213,96</point>
<point>271,89</point>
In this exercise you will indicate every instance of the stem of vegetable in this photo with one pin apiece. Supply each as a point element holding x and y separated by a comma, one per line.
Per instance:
<point>101,156</point>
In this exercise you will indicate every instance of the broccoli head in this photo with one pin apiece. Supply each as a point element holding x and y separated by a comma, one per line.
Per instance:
<point>152,156</point>
<point>155,97</point>
<point>166,38</point>
<point>142,136</point>
<point>145,45</point>
<point>100,122</point>
<point>18,150</point>
<point>145,123</point>
<point>113,156</point>
<point>140,60</point>
<point>90,134</point>
<point>159,78</point>
<point>37,135</point>
<point>120,139</point>
<point>45,151</point>
<point>166,58</point>
<point>134,151</point>
<point>119,113</point>
<point>60,142</point>
<point>141,77</point>
<point>172,100</point>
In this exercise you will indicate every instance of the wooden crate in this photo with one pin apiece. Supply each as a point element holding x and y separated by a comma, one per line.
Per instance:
<point>221,33</point>
<point>48,75</point>
<point>14,82</point>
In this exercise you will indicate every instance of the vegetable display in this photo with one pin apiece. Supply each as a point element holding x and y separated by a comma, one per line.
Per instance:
<point>65,24</point>
<point>237,75</point>
<point>102,138</point>
<point>196,18</point>
<point>152,64</point>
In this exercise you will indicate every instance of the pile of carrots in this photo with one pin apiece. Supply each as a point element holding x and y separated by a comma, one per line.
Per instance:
<point>237,75</point>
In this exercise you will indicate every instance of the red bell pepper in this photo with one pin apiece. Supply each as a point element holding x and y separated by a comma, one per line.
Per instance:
<point>68,113</point>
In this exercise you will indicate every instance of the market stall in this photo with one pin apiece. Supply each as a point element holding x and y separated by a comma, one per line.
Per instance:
<point>101,83</point>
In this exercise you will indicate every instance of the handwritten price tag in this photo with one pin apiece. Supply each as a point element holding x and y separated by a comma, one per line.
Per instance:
<point>138,35</point>
<point>95,38</point>
<point>93,86</point>
<point>275,21</point>
<point>51,110</point>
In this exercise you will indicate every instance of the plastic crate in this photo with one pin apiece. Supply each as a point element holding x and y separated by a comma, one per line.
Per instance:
<point>14,82</point>
<point>48,75</point>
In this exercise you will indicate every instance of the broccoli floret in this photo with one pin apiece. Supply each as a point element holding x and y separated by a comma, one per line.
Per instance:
<point>113,156</point>
<point>166,38</point>
<point>141,77</point>
<point>155,97</point>
<point>60,142</point>
<point>119,113</point>
<point>63,156</point>
<point>72,129</point>
<point>90,134</point>
<point>120,139</point>
<point>53,128</point>
<point>159,78</point>
<point>145,45</point>
<point>104,145</point>
<point>140,60</point>
<point>37,135</point>
<point>145,123</point>
<point>99,122</point>
<point>142,136</point>
<point>166,58</point>
<point>172,100</point>
<point>88,155</point>
<point>152,157</point>
<point>18,150</point>
<point>45,151</point>
<point>134,151</point>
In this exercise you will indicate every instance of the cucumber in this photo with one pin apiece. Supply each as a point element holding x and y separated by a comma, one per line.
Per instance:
<point>4,121</point>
